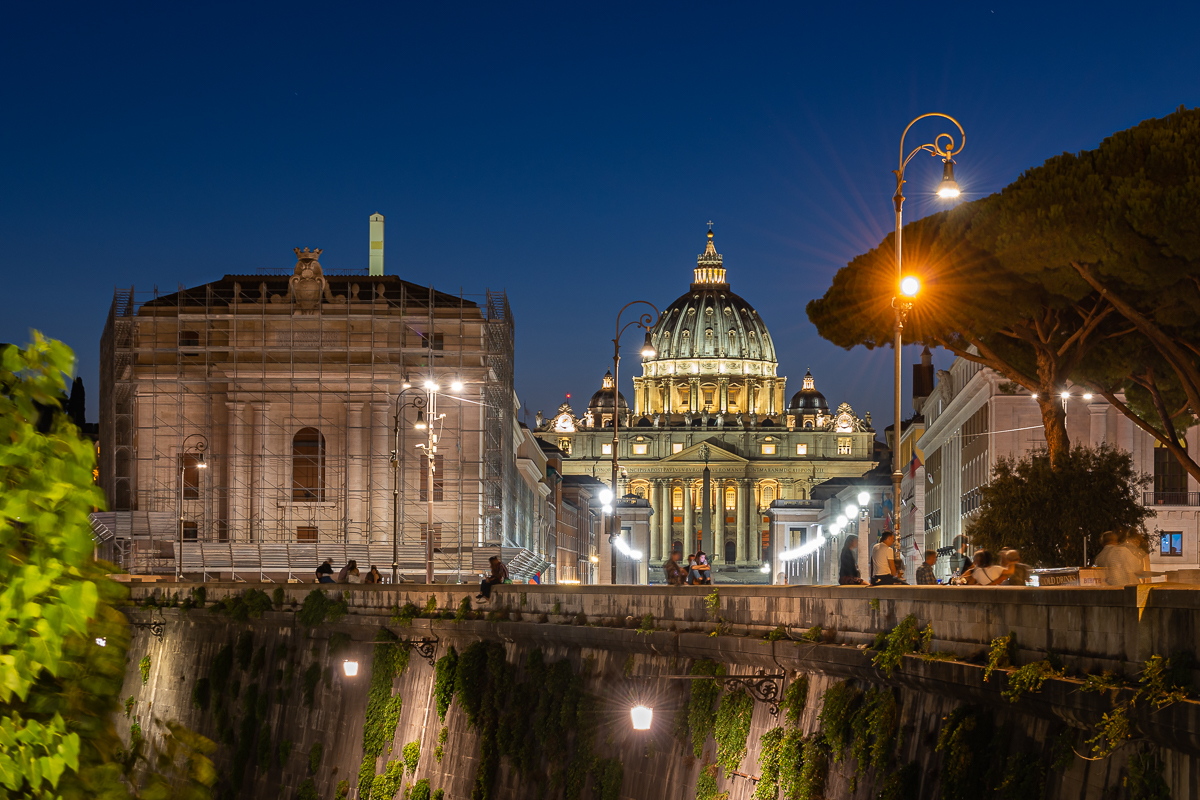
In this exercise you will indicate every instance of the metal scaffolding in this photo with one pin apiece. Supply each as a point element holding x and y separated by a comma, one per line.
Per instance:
<point>294,398</point>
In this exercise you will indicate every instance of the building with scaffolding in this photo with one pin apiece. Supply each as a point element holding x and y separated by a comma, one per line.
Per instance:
<point>250,427</point>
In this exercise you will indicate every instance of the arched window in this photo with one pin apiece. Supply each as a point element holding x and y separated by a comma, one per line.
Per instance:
<point>308,466</point>
<point>731,498</point>
<point>768,495</point>
<point>677,498</point>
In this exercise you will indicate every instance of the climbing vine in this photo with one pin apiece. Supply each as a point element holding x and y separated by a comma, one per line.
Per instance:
<point>795,697</point>
<point>144,667</point>
<point>964,742</point>
<point>1001,654</point>
<point>242,607</point>
<point>905,638</point>
<point>1030,678</point>
<point>733,728</point>
<point>701,717</point>
<point>411,755</point>
<point>318,608</point>
<point>383,711</point>
<point>814,762</point>
<point>837,715</point>
<point>443,684</point>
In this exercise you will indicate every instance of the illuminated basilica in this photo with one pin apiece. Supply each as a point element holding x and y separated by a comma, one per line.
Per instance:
<point>712,396</point>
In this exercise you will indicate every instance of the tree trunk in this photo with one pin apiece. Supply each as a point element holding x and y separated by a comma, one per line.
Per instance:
<point>1054,421</point>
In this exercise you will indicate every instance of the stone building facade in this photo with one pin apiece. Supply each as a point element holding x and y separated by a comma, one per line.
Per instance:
<point>712,396</point>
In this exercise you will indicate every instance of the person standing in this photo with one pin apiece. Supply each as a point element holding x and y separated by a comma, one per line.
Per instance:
<point>925,576</point>
<point>1119,563</point>
<point>325,572</point>
<point>848,574</point>
<point>499,575</point>
<point>883,561</point>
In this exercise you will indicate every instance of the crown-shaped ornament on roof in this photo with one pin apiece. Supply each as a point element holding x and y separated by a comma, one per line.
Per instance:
<point>607,382</point>
<point>709,268</point>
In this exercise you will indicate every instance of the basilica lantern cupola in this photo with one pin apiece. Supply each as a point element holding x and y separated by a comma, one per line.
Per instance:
<point>600,407</point>
<point>808,406</point>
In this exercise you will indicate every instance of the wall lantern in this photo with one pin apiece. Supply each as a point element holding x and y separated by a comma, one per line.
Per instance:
<point>642,717</point>
<point>350,667</point>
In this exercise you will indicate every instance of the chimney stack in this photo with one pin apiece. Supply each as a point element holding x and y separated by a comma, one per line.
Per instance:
<point>375,262</point>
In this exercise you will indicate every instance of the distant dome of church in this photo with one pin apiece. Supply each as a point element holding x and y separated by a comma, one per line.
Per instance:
<point>808,398</point>
<point>602,400</point>
<point>711,322</point>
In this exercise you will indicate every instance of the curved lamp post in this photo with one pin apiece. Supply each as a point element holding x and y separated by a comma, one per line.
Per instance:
<point>198,448</point>
<point>907,287</point>
<point>646,321</point>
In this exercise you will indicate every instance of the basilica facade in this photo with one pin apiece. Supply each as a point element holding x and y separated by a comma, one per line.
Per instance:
<point>712,398</point>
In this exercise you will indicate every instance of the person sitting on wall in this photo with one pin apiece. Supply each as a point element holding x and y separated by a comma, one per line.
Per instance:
<point>672,572</point>
<point>499,575</point>
<point>848,574</point>
<point>883,561</point>
<point>925,576</point>
<point>343,575</point>
<point>703,570</point>
<point>325,572</point>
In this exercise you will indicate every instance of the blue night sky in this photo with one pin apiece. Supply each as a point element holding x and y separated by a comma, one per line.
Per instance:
<point>568,153</point>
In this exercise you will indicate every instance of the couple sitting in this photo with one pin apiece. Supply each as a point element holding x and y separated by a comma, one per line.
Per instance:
<point>883,562</point>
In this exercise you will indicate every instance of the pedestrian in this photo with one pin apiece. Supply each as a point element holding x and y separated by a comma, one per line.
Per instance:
<point>373,576</point>
<point>883,561</point>
<point>325,572</point>
<point>674,574</point>
<point>343,575</point>
<point>499,575</point>
<point>1119,563</point>
<point>1133,539</point>
<point>983,571</point>
<point>925,576</point>
<point>848,574</point>
<point>1018,572</point>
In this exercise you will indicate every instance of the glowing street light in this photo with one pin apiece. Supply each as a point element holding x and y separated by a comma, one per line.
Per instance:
<point>642,717</point>
<point>948,188</point>
<point>910,286</point>
<point>864,498</point>
<point>842,520</point>
<point>456,386</point>
<point>431,385</point>
<point>350,668</point>
<point>648,350</point>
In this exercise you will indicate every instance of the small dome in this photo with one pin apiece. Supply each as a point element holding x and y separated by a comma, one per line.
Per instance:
<point>808,398</point>
<point>602,400</point>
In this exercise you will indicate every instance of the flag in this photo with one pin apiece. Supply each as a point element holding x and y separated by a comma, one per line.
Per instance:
<point>914,465</point>
<point>536,579</point>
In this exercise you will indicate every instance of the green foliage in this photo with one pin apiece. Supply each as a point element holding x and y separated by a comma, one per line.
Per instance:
<point>181,768</point>
<point>243,607</point>
<point>610,773</point>
<point>712,603</point>
<point>813,766</point>
<point>701,717</point>
<point>874,730</point>
<point>201,694</point>
<point>1062,750</point>
<point>964,741</point>
<point>343,790</point>
<point>405,614</point>
<point>1024,777</point>
<point>1104,682</point>
<point>837,715</point>
<point>285,751</point>
<point>770,747</point>
<point>144,668</point>
<point>314,757</point>
<point>259,660</point>
<point>431,603</point>
<point>706,784</point>
<point>628,668</point>
<point>277,596</point>
<point>411,754</point>
<point>221,669</point>
<point>1001,654</point>
<point>129,703</point>
<point>312,676</point>
<point>441,741</point>
<point>1145,780</point>
<point>813,634</point>
<point>338,642</point>
<point>1029,678</point>
<point>1047,514</point>
<point>385,786</point>
<point>264,745</point>
<point>794,699</point>
<point>420,790</point>
<point>940,655</point>
<point>439,794</point>
<point>902,784</point>
<point>1164,681</point>
<point>732,728</point>
<point>244,649</point>
<point>905,638</point>
<point>1112,731</point>
<point>775,634</point>
<point>200,596</point>
<point>464,610</point>
<point>874,604</point>
<point>318,608</point>
<point>647,625</point>
<point>443,684</point>
<point>308,791</point>
<point>135,736</point>
<point>383,710</point>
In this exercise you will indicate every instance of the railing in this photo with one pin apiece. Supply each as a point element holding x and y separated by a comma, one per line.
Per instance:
<point>1171,498</point>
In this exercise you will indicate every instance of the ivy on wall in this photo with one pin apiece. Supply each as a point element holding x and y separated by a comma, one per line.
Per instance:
<point>383,709</point>
<point>732,728</point>
<point>701,717</point>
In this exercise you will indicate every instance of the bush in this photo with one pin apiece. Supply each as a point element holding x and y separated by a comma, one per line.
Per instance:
<point>201,694</point>
<point>244,649</point>
<point>314,757</point>
<point>420,790</point>
<point>312,676</point>
<point>411,755</point>
<point>318,608</point>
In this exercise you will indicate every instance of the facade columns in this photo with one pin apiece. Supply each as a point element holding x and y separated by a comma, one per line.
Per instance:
<point>235,477</point>
<point>689,517</point>
<point>258,468</point>
<point>771,398</point>
<point>668,518</point>
<point>694,396</point>
<point>740,516</point>
<point>719,524</point>
<point>668,391</point>
<point>381,496</point>
<point>723,394</point>
<point>354,472</point>
<point>753,528</point>
<point>1099,411</point>
<point>655,506</point>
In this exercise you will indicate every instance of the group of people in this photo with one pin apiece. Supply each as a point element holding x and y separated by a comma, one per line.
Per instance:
<point>347,574</point>
<point>985,569</point>
<point>1124,557</point>
<point>698,571</point>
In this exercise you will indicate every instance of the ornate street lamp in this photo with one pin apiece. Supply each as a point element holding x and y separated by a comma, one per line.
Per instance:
<point>908,286</point>
<point>198,448</point>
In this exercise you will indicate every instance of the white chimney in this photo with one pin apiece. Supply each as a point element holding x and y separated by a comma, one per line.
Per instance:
<point>375,262</point>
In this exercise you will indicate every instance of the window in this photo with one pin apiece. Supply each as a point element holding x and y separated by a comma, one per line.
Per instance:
<point>439,479</point>
<point>434,341</point>
<point>677,447</point>
<point>768,449</point>
<point>768,495</point>
<point>844,445</point>
<point>708,398</point>
<point>802,449</point>
<point>306,534</point>
<point>639,449</point>
<point>564,444</point>
<point>1171,544</point>
<point>677,498</point>
<point>1170,480</point>
<point>308,466</point>
<point>731,498</point>
<point>191,477</point>
<point>606,449</point>
<point>190,531</point>
<point>437,534</point>
<point>189,339</point>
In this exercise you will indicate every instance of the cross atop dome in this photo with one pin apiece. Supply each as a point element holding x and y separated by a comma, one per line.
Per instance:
<point>709,268</point>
